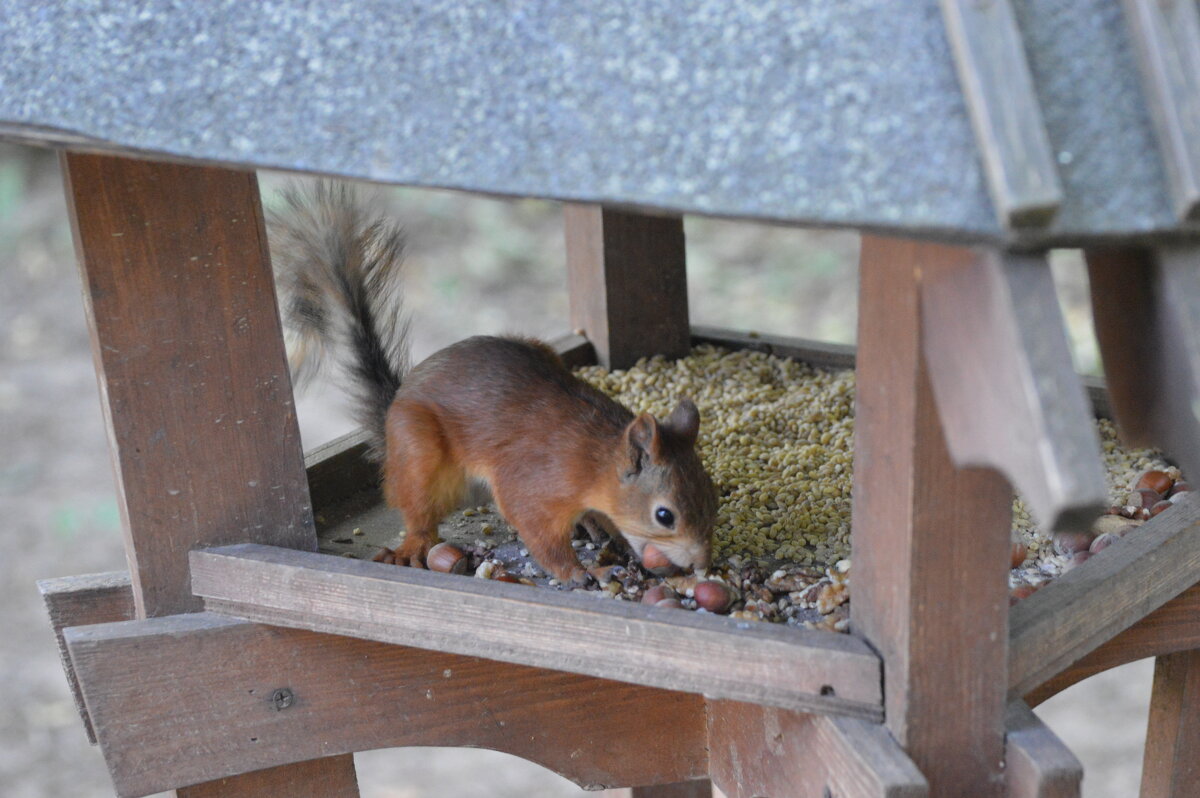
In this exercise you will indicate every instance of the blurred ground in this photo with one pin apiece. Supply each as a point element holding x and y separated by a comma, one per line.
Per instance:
<point>475,265</point>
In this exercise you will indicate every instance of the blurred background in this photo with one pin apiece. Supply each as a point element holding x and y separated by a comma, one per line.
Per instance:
<point>475,265</point>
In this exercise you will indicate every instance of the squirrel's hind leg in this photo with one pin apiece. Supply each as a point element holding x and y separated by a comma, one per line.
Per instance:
<point>421,479</point>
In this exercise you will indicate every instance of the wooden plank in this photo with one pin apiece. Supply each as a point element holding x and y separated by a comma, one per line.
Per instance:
<point>332,777</point>
<point>1036,763</point>
<point>755,750</point>
<point>1007,393</point>
<point>998,88</point>
<point>815,353</point>
<point>1171,766</point>
<point>1173,627</point>
<point>1080,610</point>
<point>1166,37</point>
<point>180,300</point>
<point>197,697</point>
<point>1146,306</point>
<point>701,788</point>
<point>575,632</point>
<point>930,540</point>
<point>186,337</point>
<point>574,349</point>
<point>627,283</point>
<point>79,601</point>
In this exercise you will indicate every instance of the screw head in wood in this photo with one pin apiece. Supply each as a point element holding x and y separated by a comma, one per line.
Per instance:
<point>282,698</point>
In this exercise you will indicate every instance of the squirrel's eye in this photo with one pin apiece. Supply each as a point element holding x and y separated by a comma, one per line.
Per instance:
<point>665,517</point>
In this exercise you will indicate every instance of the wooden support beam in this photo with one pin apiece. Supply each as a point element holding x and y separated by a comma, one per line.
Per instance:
<point>998,88</point>
<point>197,697</point>
<point>1166,36</point>
<point>186,337</point>
<point>1120,586</point>
<point>1171,767</point>
<point>1007,393</point>
<point>756,750</point>
<point>717,656</point>
<point>627,283</point>
<point>1146,305</point>
<point>79,601</point>
<point>1036,763</point>
<point>930,540</point>
<point>1173,627</point>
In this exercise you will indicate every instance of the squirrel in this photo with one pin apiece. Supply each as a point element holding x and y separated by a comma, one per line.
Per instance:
<point>554,450</point>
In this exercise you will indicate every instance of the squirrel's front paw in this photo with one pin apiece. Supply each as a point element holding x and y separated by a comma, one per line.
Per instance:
<point>579,577</point>
<point>412,552</point>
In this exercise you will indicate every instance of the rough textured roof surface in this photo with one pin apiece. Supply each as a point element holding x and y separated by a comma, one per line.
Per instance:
<point>834,112</point>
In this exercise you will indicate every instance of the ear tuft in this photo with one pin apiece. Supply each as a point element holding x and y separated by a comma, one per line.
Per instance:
<point>684,420</point>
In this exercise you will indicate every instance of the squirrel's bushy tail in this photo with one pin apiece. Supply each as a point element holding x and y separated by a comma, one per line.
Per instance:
<point>338,267</point>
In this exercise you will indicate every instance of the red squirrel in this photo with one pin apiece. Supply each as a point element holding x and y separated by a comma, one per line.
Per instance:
<point>554,450</point>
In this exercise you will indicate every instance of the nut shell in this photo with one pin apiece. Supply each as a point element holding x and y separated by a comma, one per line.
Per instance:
<point>1116,524</point>
<point>447,559</point>
<point>653,557</point>
<point>1157,481</point>
<point>1077,559</point>
<point>672,603</point>
<point>657,593</point>
<point>712,596</point>
<point>1102,542</point>
<point>1067,543</point>
<point>1179,487</point>
<point>1019,553</point>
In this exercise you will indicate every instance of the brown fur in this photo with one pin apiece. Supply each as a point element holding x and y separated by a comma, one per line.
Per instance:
<point>551,447</point>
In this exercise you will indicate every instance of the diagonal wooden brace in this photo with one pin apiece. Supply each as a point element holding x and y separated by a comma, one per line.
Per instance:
<point>1037,763</point>
<point>757,750</point>
<point>1146,305</point>
<point>1005,388</point>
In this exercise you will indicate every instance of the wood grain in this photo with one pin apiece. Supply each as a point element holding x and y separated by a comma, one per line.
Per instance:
<point>930,541</point>
<point>1166,37</point>
<point>1171,766</point>
<point>627,283</point>
<point>1146,306</point>
<point>1007,393</point>
<point>189,354</point>
<point>999,93</point>
<point>1036,763</point>
<point>816,353</point>
<point>579,633</point>
<point>79,601</point>
<point>332,777</point>
<point>757,750</point>
<point>196,697</point>
<point>1173,627</point>
<point>1077,612</point>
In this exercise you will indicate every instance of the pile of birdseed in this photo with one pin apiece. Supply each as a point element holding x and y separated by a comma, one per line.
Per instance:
<point>776,435</point>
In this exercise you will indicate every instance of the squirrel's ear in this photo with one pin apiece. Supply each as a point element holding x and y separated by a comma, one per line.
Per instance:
<point>642,437</point>
<point>684,420</point>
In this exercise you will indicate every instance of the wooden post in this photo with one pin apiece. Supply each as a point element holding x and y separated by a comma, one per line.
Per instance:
<point>193,378</point>
<point>627,283</point>
<point>930,541</point>
<point>1171,768</point>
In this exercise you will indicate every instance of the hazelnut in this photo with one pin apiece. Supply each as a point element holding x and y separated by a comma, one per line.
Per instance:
<point>712,596</point>
<point>1149,498</point>
<point>1158,508</point>
<point>1102,542</point>
<point>653,558</point>
<point>1077,559</point>
<point>1067,543</point>
<point>505,576</point>
<point>1019,553</point>
<point>1157,481</point>
<point>657,593</point>
<point>672,603</point>
<point>447,558</point>
<point>1179,487</point>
